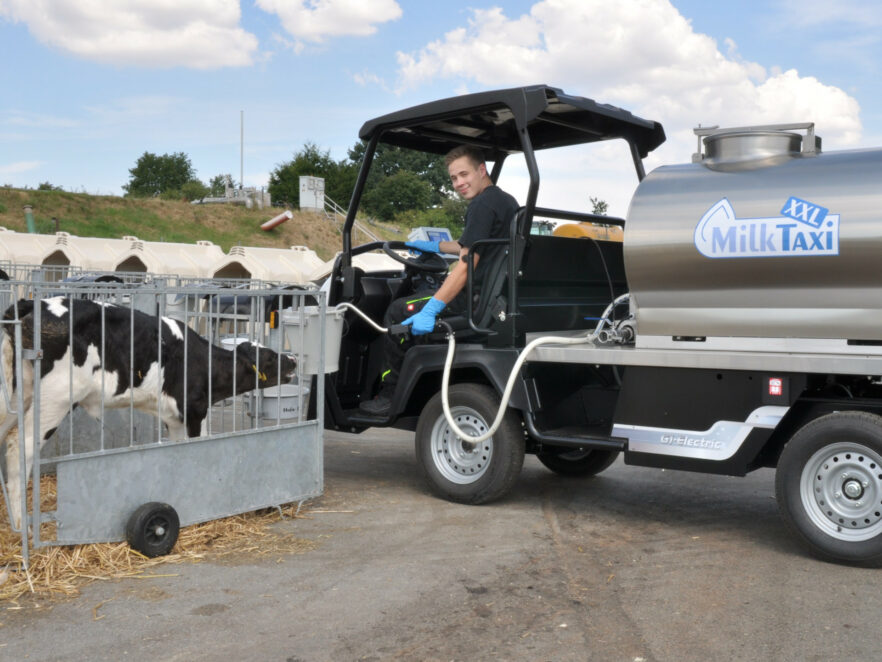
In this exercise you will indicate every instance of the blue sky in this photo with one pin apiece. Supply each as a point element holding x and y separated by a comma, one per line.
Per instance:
<point>94,85</point>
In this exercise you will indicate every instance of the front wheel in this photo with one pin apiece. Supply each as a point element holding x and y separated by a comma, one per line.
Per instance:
<point>462,471</point>
<point>829,487</point>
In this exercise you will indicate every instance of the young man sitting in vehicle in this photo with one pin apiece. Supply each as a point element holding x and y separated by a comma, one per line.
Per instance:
<point>488,216</point>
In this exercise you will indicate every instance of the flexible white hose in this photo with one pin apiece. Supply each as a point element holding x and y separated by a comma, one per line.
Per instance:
<point>367,319</point>
<point>509,386</point>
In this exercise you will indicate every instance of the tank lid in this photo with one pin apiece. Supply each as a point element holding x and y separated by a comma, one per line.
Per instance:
<point>750,143</point>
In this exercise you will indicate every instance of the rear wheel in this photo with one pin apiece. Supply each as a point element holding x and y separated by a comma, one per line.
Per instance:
<point>577,462</point>
<point>460,470</point>
<point>829,487</point>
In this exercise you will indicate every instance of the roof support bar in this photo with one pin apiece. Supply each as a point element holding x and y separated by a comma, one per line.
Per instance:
<point>356,198</point>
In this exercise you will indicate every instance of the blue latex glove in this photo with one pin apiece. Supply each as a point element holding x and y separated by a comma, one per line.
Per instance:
<point>424,246</point>
<point>424,321</point>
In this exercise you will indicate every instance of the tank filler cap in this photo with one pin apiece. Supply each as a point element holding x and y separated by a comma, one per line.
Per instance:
<point>750,143</point>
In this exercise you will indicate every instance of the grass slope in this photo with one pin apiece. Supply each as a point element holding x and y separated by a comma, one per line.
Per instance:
<point>86,215</point>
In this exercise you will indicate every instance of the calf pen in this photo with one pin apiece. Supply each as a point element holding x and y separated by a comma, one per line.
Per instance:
<point>133,461</point>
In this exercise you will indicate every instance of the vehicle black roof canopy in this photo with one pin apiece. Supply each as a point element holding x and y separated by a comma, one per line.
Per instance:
<point>492,121</point>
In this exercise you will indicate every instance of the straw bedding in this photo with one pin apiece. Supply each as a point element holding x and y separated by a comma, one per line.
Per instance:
<point>61,571</point>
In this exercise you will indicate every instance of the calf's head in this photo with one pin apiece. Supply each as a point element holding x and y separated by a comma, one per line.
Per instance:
<point>270,368</point>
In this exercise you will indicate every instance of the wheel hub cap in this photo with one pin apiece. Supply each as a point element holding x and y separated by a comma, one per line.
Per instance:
<point>853,489</point>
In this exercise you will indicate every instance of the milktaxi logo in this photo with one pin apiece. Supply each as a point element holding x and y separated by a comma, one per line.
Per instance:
<point>802,229</point>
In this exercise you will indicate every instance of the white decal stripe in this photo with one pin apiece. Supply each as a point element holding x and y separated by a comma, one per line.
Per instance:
<point>767,417</point>
<point>719,442</point>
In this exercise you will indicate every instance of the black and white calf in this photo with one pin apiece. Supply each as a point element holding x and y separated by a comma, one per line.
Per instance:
<point>96,353</point>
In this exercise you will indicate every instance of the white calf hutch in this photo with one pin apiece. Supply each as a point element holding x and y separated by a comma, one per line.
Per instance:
<point>185,260</point>
<point>24,247</point>
<point>292,265</point>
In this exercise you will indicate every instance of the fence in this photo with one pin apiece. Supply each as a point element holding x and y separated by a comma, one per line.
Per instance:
<point>197,406</point>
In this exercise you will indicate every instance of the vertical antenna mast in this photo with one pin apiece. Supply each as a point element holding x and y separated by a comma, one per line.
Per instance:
<point>241,148</point>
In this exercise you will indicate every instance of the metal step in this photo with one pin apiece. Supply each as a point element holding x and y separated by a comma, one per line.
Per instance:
<point>574,437</point>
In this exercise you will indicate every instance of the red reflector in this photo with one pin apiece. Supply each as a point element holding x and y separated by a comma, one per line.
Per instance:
<point>409,307</point>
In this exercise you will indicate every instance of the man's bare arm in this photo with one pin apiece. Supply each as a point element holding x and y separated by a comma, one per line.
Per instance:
<point>458,276</point>
<point>450,247</point>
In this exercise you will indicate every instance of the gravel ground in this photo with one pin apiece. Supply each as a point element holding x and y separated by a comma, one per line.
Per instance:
<point>635,564</point>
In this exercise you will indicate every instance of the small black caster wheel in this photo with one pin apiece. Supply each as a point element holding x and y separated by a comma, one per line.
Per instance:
<point>153,529</point>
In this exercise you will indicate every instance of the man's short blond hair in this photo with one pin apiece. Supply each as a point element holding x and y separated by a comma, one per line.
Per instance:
<point>475,155</point>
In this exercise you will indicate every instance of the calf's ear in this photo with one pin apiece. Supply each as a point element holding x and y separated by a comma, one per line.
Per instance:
<point>245,348</point>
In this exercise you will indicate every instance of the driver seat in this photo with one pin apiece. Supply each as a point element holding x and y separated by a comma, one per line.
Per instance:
<point>493,296</point>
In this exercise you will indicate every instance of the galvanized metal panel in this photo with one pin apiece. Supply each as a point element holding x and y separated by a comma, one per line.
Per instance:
<point>203,479</point>
<point>714,357</point>
<point>80,433</point>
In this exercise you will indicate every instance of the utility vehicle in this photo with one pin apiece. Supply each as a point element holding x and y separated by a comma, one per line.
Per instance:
<point>747,331</point>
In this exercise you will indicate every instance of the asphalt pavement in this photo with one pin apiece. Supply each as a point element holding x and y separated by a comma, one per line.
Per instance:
<point>633,565</point>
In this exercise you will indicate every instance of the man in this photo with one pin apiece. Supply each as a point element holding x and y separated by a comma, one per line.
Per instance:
<point>488,216</point>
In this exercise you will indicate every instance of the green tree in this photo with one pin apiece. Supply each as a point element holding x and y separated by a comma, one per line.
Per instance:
<point>194,190</point>
<point>153,175</point>
<point>449,214</point>
<point>388,161</point>
<point>310,161</point>
<point>217,185</point>
<point>402,191</point>
<point>400,179</point>
<point>598,206</point>
<point>340,185</point>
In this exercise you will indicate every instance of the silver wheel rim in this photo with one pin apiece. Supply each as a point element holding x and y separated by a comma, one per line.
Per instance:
<point>841,491</point>
<point>457,460</point>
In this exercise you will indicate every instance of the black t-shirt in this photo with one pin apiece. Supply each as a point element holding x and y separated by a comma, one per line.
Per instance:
<point>489,216</point>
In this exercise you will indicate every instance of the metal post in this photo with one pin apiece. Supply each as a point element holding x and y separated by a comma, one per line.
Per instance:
<point>22,474</point>
<point>29,219</point>
<point>35,438</point>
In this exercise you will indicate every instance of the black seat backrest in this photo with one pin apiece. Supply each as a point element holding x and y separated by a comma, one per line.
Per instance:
<point>493,296</point>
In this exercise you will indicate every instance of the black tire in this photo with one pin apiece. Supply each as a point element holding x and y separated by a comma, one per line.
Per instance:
<point>829,487</point>
<point>153,529</point>
<point>577,462</point>
<point>457,470</point>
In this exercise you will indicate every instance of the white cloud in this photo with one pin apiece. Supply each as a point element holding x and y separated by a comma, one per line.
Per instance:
<point>366,78</point>
<point>200,34</point>
<point>314,20</point>
<point>641,54</point>
<point>19,167</point>
<point>37,120</point>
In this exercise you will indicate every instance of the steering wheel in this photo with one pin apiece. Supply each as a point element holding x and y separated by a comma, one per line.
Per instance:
<point>431,262</point>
